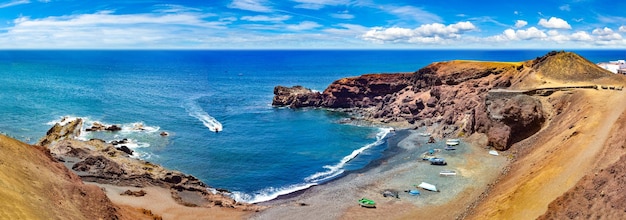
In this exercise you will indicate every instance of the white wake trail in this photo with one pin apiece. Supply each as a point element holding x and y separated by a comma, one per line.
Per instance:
<point>196,111</point>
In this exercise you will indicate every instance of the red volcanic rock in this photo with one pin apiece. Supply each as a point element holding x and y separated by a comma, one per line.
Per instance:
<point>451,95</point>
<point>295,97</point>
<point>514,119</point>
<point>363,91</point>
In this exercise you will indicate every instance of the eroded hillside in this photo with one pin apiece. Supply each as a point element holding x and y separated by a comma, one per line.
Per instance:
<point>34,186</point>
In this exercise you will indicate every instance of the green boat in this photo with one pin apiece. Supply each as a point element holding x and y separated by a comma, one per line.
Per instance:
<point>368,203</point>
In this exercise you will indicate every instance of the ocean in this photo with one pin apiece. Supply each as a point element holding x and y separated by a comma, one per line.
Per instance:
<point>260,152</point>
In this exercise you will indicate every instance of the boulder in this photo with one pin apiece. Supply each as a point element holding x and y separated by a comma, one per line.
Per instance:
<point>432,102</point>
<point>125,149</point>
<point>113,128</point>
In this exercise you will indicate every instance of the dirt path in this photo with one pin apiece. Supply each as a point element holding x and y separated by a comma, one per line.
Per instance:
<point>562,154</point>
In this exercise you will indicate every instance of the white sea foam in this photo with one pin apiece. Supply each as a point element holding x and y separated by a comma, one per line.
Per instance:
<point>64,120</point>
<point>315,179</point>
<point>196,111</point>
<point>269,193</point>
<point>334,170</point>
<point>137,134</point>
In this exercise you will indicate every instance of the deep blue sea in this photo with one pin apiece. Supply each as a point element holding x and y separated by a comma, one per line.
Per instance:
<point>260,152</point>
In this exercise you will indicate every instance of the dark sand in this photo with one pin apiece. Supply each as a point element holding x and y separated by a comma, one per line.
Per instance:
<point>399,169</point>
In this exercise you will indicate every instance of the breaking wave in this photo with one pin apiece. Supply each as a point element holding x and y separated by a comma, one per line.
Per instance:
<point>312,180</point>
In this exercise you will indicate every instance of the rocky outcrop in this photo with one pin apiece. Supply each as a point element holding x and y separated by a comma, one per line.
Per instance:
<point>101,162</point>
<point>453,96</point>
<point>296,97</point>
<point>511,120</point>
<point>100,127</point>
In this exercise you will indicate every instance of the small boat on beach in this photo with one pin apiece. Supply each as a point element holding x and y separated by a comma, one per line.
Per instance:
<point>453,142</point>
<point>447,173</point>
<point>367,203</point>
<point>414,192</point>
<point>494,152</point>
<point>428,186</point>
<point>430,154</point>
<point>438,161</point>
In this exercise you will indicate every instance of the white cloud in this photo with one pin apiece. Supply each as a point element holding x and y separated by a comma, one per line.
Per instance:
<point>413,13</point>
<point>554,23</point>
<point>531,33</point>
<point>606,34</point>
<point>622,28</point>
<point>343,15</point>
<point>347,30</point>
<point>581,36</point>
<point>107,30</point>
<point>520,23</point>
<point>428,33</point>
<point>319,4</point>
<point>265,18</point>
<point>305,25</point>
<point>251,5</point>
<point>565,7</point>
<point>14,3</point>
<point>172,8</point>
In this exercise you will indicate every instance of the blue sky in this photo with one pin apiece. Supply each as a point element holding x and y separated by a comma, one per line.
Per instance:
<point>312,24</point>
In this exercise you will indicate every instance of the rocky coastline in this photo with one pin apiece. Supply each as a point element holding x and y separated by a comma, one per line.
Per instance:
<point>111,163</point>
<point>454,99</point>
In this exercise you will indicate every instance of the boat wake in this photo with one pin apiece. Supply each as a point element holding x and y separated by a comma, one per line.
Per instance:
<point>315,179</point>
<point>194,110</point>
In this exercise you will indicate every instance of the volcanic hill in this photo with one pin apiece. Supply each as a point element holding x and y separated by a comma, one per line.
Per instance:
<point>34,186</point>
<point>559,116</point>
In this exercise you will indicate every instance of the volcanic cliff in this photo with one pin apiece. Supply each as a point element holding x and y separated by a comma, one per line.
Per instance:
<point>455,96</point>
<point>560,116</point>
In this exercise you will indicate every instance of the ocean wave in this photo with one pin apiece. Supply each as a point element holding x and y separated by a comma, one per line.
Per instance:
<point>315,179</point>
<point>269,193</point>
<point>335,170</point>
<point>194,110</point>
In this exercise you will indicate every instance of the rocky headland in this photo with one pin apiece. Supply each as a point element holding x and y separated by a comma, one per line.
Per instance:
<point>110,163</point>
<point>556,116</point>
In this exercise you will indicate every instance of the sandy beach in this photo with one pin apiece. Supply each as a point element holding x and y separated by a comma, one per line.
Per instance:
<point>159,202</point>
<point>399,170</point>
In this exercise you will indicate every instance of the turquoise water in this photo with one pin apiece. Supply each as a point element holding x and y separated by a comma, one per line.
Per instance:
<point>261,152</point>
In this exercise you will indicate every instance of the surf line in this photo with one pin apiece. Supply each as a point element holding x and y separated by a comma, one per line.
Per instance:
<point>196,111</point>
<point>337,169</point>
<point>331,172</point>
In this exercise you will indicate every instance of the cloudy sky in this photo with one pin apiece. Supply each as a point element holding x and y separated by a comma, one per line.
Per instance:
<point>312,24</point>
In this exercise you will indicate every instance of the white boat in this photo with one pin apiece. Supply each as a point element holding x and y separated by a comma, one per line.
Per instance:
<point>494,152</point>
<point>425,134</point>
<point>453,142</point>
<point>428,186</point>
<point>447,173</point>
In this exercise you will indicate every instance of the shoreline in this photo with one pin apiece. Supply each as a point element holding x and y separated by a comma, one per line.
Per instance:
<point>398,169</point>
<point>387,153</point>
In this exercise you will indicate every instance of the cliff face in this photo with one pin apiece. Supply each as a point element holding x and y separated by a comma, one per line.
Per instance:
<point>453,95</point>
<point>34,186</point>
